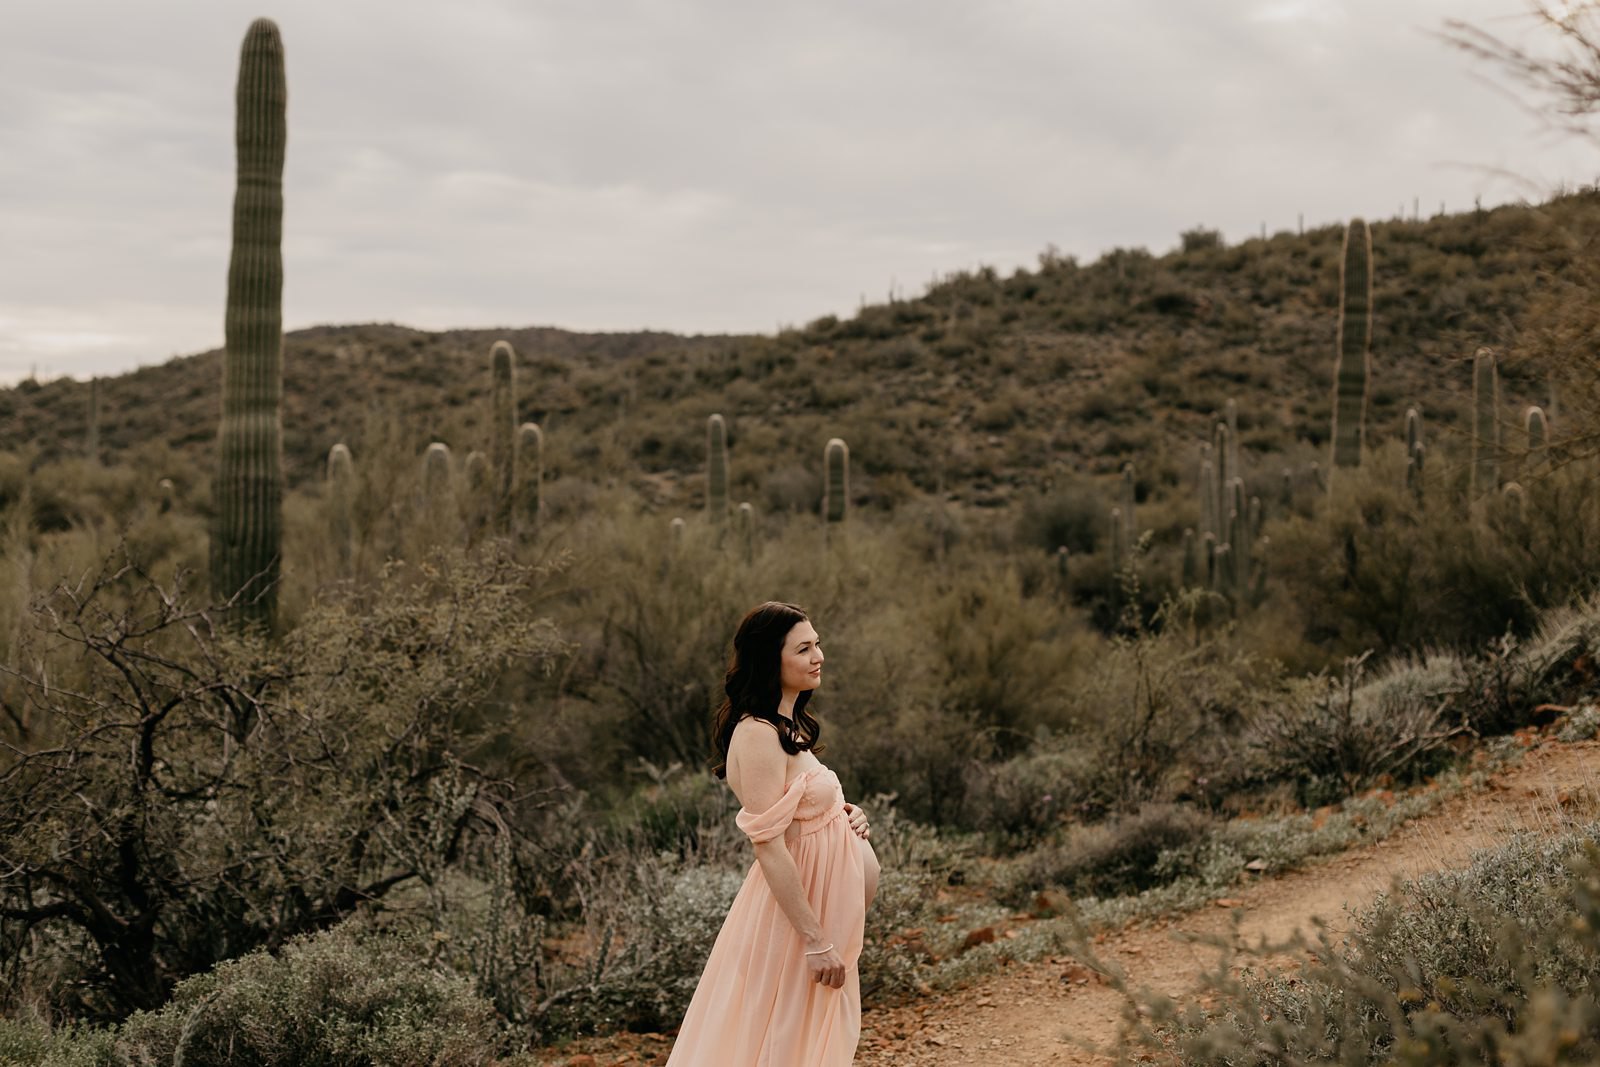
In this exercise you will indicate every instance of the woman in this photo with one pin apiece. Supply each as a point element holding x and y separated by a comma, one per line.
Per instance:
<point>781,988</point>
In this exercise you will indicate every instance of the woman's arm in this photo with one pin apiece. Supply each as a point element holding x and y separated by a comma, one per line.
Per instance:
<point>756,766</point>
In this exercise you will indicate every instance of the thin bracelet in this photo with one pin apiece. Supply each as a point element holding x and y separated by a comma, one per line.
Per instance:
<point>820,951</point>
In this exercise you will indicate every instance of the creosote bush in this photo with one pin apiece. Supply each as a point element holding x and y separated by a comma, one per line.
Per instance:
<point>1494,963</point>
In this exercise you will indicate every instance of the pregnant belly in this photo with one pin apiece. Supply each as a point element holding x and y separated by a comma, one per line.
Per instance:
<point>869,865</point>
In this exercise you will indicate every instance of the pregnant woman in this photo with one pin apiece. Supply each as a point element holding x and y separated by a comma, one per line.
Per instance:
<point>781,988</point>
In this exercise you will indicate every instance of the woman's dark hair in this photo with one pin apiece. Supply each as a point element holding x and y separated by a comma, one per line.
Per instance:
<point>754,683</point>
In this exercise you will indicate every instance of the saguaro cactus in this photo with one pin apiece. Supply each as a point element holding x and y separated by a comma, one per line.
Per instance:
<point>1353,361</point>
<point>1209,498</point>
<point>502,430</point>
<point>1130,532</point>
<point>836,479</point>
<point>1119,537</point>
<point>1537,427</point>
<point>248,528</point>
<point>716,469</point>
<point>91,443</point>
<point>341,504</point>
<point>436,471</point>
<point>1485,425</point>
<point>1414,451</point>
<point>747,530</point>
<point>1191,559</point>
<point>530,470</point>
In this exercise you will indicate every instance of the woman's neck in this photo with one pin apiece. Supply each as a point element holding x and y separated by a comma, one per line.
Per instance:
<point>786,705</point>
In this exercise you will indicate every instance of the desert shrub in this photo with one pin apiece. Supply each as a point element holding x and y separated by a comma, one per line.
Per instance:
<point>1335,737</point>
<point>335,999</point>
<point>31,1043</point>
<point>1020,802</point>
<point>1494,963</point>
<point>268,792</point>
<point>1073,515</point>
<point>1127,853</point>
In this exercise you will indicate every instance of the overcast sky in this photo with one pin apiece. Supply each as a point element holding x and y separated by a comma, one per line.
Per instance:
<point>702,165</point>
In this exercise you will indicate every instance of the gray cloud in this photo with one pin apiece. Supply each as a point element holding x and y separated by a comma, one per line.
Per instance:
<point>701,165</point>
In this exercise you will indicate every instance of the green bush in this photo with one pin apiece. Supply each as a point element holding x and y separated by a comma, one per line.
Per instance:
<point>1125,854</point>
<point>335,999</point>
<point>1494,963</point>
<point>33,1044</point>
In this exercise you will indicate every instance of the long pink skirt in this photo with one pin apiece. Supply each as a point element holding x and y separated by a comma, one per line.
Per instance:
<point>756,1005</point>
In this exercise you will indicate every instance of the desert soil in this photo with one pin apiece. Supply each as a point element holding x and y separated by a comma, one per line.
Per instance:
<point>1057,1012</point>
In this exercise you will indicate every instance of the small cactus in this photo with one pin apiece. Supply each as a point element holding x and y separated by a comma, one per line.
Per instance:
<point>676,527</point>
<point>1353,360</point>
<point>1537,427</point>
<point>530,470</point>
<point>1413,443</point>
<point>747,530</point>
<point>1130,532</point>
<point>836,480</point>
<point>341,504</point>
<point>1062,564</point>
<point>1485,426</point>
<point>1191,559</point>
<point>1516,501</point>
<point>1118,540</point>
<point>1208,499</point>
<point>436,480</point>
<point>716,470</point>
<point>477,472</point>
<point>1230,412</point>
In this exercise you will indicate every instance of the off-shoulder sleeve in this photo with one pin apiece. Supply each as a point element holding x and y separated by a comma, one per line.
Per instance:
<point>766,825</point>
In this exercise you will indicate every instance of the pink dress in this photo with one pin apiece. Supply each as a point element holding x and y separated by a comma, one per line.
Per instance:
<point>756,1005</point>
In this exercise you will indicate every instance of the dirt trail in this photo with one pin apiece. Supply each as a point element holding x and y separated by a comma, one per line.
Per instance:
<point>1023,1017</point>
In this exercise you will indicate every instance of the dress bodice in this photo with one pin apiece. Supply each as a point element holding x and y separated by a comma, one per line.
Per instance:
<point>812,800</point>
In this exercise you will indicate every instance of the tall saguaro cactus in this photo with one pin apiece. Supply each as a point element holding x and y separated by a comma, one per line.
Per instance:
<point>1485,424</point>
<point>1130,530</point>
<point>716,470</point>
<point>1353,364</point>
<point>247,533</point>
<point>836,479</point>
<point>502,430</point>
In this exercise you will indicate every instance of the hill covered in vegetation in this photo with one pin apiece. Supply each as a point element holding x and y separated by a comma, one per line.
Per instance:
<point>986,386</point>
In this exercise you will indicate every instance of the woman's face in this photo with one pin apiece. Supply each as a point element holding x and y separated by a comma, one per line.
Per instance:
<point>802,658</point>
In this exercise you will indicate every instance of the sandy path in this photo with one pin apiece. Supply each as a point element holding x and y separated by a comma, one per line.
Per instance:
<point>1023,1016</point>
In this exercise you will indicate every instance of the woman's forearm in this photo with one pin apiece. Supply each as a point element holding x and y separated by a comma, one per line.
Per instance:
<point>783,878</point>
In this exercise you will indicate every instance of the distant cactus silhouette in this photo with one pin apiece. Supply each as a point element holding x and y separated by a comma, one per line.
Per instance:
<point>502,431</point>
<point>1191,559</point>
<point>836,480</point>
<point>1537,427</point>
<point>716,469</point>
<point>1415,452</point>
<point>1130,532</point>
<point>341,504</point>
<point>1353,364</point>
<point>436,479</point>
<point>747,530</point>
<point>1485,424</point>
<point>91,444</point>
<point>248,529</point>
<point>1209,499</point>
<point>530,470</point>
<point>1118,540</point>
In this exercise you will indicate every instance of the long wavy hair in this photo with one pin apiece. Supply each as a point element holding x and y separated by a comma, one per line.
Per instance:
<point>754,684</point>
